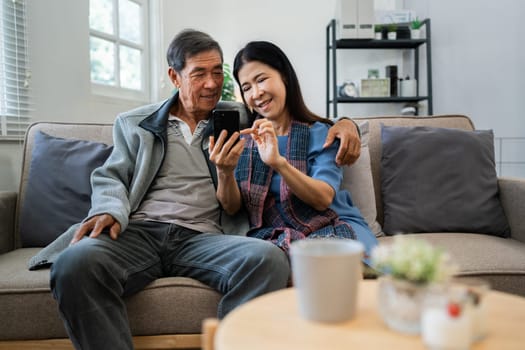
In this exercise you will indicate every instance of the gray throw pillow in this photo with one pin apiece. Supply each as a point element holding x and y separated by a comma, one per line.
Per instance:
<point>440,180</point>
<point>58,189</point>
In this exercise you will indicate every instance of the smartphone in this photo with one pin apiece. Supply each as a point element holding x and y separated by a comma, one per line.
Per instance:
<point>225,119</point>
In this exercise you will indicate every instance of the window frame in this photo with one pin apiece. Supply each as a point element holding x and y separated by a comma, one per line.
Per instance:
<point>15,73</point>
<point>117,91</point>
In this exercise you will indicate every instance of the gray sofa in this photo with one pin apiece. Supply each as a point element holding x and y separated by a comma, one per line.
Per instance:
<point>169,312</point>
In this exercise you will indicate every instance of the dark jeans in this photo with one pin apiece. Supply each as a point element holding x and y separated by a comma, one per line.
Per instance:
<point>91,277</point>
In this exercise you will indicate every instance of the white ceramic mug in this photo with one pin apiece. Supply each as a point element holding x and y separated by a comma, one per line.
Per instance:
<point>326,273</point>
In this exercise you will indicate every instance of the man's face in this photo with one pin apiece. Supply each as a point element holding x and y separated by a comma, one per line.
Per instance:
<point>199,82</point>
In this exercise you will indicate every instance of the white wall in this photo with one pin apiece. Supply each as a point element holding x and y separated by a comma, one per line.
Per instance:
<point>300,33</point>
<point>478,60</point>
<point>477,57</point>
<point>479,68</point>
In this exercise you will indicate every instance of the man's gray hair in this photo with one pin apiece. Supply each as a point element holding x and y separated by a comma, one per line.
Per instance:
<point>189,43</point>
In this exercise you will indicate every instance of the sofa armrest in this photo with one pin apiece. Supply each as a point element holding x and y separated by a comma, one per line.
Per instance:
<point>512,196</point>
<point>7,221</point>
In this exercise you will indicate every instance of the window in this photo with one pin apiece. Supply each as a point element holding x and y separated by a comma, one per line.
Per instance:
<point>118,48</point>
<point>14,71</point>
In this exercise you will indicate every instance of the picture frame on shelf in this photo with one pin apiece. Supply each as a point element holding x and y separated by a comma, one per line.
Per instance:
<point>373,73</point>
<point>375,87</point>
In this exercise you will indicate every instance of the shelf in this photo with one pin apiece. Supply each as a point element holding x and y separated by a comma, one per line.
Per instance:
<point>379,99</point>
<point>379,44</point>
<point>404,43</point>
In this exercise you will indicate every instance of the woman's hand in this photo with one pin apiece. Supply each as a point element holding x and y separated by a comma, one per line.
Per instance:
<point>263,133</point>
<point>316,193</point>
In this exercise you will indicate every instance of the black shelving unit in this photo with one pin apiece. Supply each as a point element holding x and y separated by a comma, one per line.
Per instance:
<point>333,44</point>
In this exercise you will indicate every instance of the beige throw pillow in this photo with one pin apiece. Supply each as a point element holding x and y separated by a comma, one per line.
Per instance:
<point>357,179</point>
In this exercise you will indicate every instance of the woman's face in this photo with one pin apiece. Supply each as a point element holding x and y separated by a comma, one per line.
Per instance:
<point>263,89</point>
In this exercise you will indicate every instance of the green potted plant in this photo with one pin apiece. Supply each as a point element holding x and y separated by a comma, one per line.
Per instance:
<point>228,87</point>
<point>378,30</point>
<point>415,28</point>
<point>392,31</point>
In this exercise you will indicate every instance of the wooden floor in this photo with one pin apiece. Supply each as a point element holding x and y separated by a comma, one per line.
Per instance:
<point>157,342</point>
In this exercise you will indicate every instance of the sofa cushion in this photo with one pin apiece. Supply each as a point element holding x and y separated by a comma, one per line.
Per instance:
<point>58,188</point>
<point>357,180</point>
<point>440,180</point>
<point>171,305</point>
<point>499,261</point>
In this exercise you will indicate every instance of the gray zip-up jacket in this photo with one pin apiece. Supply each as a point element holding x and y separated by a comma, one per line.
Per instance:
<point>120,184</point>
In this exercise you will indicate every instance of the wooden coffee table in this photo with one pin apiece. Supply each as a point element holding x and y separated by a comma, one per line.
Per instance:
<point>272,322</point>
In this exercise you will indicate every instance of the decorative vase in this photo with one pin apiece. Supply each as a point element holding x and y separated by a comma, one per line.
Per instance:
<point>378,35</point>
<point>392,35</point>
<point>401,303</point>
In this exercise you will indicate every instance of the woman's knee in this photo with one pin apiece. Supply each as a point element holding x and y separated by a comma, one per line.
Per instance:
<point>274,259</point>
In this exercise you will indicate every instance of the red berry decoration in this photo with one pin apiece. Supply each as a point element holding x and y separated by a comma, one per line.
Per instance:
<point>454,309</point>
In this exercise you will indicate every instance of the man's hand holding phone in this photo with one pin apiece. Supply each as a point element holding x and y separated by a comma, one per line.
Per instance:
<point>225,119</point>
<point>225,145</point>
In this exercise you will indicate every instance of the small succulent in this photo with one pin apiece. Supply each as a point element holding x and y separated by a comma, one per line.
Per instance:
<point>378,28</point>
<point>392,27</point>
<point>416,23</point>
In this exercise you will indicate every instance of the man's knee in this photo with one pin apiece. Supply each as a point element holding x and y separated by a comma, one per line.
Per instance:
<point>76,265</point>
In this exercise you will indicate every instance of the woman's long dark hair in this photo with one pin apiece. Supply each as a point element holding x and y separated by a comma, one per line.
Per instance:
<point>271,55</point>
